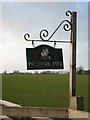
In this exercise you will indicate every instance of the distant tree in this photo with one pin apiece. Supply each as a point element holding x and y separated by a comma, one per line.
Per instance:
<point>80,70</point>
<point>5,72</point>
<point>16,72</point>
<point>36,72</point>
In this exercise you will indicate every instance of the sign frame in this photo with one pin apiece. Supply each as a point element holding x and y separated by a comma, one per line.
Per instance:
<point>44,57</point>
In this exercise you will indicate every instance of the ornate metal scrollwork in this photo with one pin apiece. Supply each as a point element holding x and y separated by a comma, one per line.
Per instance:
<point>44,33</point>
<point>27,35</point>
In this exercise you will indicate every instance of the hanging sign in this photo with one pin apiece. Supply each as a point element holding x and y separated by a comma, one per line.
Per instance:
<point>44,57</point>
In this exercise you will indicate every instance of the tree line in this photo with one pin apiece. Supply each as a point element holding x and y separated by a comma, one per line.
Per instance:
<point>79,70</point>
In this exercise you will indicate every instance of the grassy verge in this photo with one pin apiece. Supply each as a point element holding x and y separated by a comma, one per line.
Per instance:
<point>44,90</point>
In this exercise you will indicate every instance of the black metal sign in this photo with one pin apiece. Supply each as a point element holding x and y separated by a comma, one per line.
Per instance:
<point>44,57</point>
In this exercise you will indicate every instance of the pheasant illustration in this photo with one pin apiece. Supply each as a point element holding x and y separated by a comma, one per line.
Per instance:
<point>45,54</point>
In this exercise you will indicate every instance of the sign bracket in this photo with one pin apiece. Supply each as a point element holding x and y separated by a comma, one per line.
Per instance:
<point>44,34</point>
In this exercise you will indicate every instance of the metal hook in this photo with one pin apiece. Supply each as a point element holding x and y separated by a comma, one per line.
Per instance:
<point>54,44</point>
<point>33,43</point>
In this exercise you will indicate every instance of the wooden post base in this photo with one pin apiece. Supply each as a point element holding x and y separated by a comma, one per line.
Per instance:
<point>76,103</point>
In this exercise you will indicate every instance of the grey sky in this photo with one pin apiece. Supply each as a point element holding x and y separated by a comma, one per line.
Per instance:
<point>19,18</point>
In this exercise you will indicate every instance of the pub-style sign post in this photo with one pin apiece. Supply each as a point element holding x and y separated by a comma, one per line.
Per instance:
<point>47,57</point>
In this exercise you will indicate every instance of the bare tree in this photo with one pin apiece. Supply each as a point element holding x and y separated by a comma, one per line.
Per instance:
<point>16,72</point>
<point>80,70</point>
<point>5,72</point>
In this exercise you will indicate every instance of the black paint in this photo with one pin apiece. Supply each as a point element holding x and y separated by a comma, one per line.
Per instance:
<point>44,57</point>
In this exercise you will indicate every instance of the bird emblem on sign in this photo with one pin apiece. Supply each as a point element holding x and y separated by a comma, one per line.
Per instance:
<point>45,54</point>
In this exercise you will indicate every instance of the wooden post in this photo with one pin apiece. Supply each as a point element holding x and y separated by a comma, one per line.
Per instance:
<point>76,102</point>
<point>73,55</point>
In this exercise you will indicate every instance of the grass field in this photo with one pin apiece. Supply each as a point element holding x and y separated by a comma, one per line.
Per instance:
<point>43,90</point>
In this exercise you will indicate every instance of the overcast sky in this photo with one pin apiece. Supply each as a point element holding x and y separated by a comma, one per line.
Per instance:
<point>19,18</point>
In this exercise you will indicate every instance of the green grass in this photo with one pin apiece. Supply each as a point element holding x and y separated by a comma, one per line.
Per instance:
<point>82,89</point>
<point>44,90</point>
